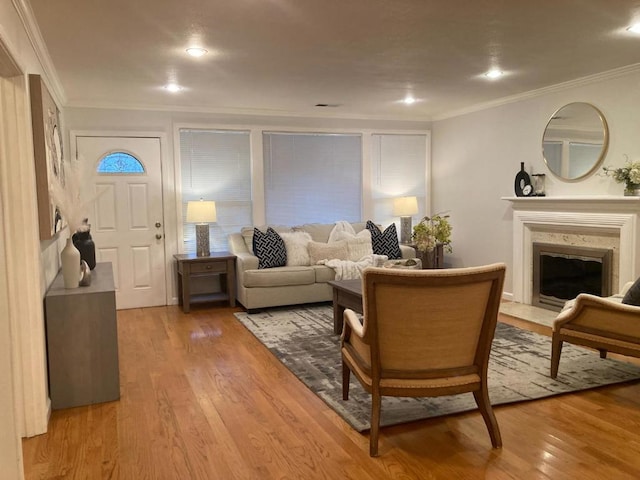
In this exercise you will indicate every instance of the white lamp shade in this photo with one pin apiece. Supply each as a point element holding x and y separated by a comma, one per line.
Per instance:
<point>201,212</point>
<point>405,206</point>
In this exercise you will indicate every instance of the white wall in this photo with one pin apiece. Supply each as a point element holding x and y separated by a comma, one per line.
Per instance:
<point>476,156</point>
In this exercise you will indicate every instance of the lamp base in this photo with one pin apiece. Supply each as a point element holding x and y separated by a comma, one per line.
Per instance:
<point>405,230</point>
<point>202,240</point>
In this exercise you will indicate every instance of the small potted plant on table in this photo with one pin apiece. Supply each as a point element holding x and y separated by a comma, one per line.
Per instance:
<point>432,236</point>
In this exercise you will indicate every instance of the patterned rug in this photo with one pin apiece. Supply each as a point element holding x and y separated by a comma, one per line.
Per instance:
<point>302,339</point>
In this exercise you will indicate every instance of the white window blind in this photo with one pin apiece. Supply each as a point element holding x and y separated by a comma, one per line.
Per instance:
<point>216,165</point>
<point>398,169</point>
<point>312,177</point>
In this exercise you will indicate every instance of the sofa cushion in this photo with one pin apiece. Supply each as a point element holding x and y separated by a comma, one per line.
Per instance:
<point>323,273</point>
<point>632,297</point>
<point>327,251</point>
<point>297,251</point>
<point>385,243</point>
<point>319,231</point>
<point>279,277</point>
<point>269,248</point>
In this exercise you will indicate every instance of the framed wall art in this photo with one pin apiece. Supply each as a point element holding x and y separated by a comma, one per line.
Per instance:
<point>48,154</point>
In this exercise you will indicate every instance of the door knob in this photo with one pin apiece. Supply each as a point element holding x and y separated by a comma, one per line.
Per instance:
<point>158,236</point>
<point>158,224</point>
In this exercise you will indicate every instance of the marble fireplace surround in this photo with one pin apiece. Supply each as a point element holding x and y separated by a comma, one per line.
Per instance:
<point>598,221</point>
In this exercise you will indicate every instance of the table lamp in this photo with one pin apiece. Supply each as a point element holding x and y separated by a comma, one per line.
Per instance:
<point>404,207</point>
<point>202,213</point>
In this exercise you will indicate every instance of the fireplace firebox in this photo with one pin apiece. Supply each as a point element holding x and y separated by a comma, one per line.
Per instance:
<point>561,272</point>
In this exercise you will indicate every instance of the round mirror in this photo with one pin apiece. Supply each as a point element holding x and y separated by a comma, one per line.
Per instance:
<point>575,141</point>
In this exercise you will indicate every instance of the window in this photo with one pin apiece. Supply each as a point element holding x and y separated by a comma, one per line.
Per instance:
<point>312,177</point>
<point>120,162</point>
<point>216,165</point>
<point>398,169</point>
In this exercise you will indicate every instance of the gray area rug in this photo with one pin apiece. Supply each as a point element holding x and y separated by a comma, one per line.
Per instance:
<point>302,339</point>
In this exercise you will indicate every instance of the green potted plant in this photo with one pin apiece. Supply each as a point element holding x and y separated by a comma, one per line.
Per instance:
<point>432,236</point>
<point>629,175</point>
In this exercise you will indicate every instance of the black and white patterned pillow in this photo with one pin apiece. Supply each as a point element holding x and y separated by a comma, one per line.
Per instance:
<point>384,243</point>
<point>269,248</point>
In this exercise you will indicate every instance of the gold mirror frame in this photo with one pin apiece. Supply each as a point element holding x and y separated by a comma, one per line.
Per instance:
<point>576,123</point>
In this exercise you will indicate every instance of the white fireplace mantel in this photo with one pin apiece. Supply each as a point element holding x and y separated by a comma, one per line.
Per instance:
<point>611,214</point>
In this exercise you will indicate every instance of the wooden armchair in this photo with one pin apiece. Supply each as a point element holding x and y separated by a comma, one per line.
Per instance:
<point>425,333</point>
<point>601,323</point>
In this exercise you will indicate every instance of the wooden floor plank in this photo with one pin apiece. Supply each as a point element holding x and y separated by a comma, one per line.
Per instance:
<point>202,398</point>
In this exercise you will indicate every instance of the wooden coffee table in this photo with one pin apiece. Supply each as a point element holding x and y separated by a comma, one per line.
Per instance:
<point>346,294</point>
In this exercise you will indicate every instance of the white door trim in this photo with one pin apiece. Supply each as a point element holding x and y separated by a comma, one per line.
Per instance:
<point>168,195</point>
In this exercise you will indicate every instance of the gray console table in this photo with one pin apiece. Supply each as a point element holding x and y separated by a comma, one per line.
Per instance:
<point>82,341</point>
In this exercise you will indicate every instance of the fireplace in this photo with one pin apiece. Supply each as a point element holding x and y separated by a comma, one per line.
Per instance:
<point>597,221</point>
<point>561,272</point>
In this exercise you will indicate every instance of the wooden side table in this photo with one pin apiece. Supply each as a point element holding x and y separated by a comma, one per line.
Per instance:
<point>190,266</point>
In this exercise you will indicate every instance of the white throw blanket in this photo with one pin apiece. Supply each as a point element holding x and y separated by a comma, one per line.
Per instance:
<point>346,269</point>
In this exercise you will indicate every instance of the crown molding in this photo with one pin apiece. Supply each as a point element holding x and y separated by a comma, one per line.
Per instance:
<point>248,112</point>
<point>559,87</point>
<point>24,11</point>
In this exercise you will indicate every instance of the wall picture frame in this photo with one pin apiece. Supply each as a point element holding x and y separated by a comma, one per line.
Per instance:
<point>48,154</point>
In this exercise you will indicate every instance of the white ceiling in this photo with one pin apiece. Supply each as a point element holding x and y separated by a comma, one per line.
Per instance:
<point>285,56</point>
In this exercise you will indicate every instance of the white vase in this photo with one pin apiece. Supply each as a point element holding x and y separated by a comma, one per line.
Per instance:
<point>70,260</point>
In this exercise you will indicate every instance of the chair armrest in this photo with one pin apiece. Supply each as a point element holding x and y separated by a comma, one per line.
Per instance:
<point>585,301</point>
<point>351,324</point>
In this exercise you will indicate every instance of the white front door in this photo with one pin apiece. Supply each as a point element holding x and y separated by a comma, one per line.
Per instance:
<point>127,218</point>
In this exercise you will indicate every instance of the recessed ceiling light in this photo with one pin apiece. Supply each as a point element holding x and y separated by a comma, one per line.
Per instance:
<point>494,73</point>
<point>172,87</point>
<point>196,51</point>
<point>635,28</point>
<point>408,100</point>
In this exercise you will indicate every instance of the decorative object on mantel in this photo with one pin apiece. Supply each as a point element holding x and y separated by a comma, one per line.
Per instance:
<point>522,183</point>
<point>629,175</point>
<point>538,184</point>
<point>84,243</point>
<point>431,236</point>
<point>70,260</point>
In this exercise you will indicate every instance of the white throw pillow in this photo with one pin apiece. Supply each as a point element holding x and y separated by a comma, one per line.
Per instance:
<point>296,246</point>
<point>358,245</point>
<point>359,248</point>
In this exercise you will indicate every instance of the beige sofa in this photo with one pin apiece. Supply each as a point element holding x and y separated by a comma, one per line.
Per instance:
<point>288,285</point>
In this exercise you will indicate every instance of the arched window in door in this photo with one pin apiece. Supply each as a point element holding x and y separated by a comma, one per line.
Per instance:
<point>120,162</point>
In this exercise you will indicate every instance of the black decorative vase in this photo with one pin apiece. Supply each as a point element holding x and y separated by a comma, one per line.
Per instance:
<point>84,243</point>
<point>522,184</point>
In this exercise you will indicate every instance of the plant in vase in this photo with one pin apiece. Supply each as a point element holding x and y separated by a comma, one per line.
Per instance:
<point>629,175</point>
<point>432,236</point>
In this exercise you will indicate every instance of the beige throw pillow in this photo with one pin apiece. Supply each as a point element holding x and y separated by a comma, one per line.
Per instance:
<point>327,251</point>
<point>296,245</point>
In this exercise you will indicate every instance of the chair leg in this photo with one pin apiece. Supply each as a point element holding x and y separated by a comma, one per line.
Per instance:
<point>375,423</point>
<point>603,353</point>
<point>482,400</point>
<point>346,378</point>
<point>556,350</point>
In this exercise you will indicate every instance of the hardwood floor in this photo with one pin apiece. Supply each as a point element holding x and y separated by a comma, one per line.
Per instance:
<point>203,399</point>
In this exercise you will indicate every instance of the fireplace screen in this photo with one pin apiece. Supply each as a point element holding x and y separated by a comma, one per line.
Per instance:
<point>561,272</point>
